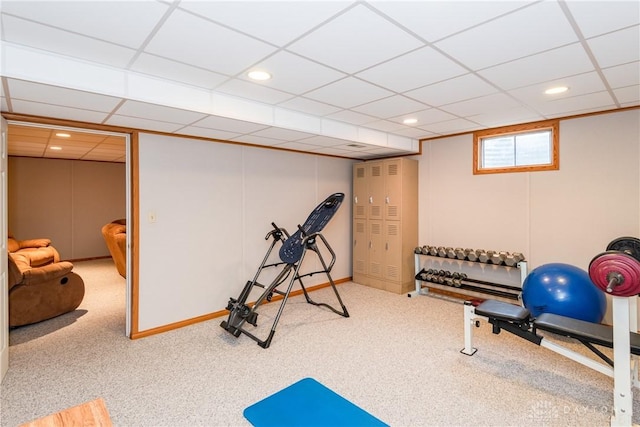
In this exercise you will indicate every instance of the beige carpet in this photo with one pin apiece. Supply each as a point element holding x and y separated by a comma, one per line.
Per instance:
<point>396,357</point>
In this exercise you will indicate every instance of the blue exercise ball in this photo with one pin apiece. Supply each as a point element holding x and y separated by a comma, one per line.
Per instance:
<point>565,290</point>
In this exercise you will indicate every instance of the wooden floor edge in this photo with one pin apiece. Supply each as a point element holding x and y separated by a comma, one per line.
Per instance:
<point>210,316</point>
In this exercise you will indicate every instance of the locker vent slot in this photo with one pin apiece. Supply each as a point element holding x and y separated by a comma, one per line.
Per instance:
<point>376,171</point>
<point>375,228</point>
<point>359,172</point>
<point>360,266</point>
<point>392,211</point>
<point>392,229</point>
<point>375,269</point>
<point>360,210</point>
<point>392,169</point>
<point>375,211</point>
<point>359,227</point>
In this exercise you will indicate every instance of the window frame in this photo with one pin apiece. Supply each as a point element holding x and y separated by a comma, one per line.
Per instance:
<point>552,125</point>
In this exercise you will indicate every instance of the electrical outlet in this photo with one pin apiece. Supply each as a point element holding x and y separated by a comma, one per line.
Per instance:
<point>152,217</point>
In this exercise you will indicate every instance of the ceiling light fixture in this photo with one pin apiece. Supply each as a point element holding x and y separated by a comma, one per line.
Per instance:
<point>259,75</point>
<point>55,147</point>
<point>556,90</point>
<point>410,121</point>
<point>63,135</point>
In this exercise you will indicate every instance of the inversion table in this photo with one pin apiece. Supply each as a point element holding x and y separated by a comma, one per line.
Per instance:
<point>292,254</point>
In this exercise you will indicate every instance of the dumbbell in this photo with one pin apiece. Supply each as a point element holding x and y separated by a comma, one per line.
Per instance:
<point>451,253</point>
<point>442,251</point>
<point>462,253</point>
<point>473,255</point>
<point>513,259</point>
<point>485,256</point>
<point>425,250</point>
<point>498,258</point>
<point>433,251</point>
<point>417,250</point>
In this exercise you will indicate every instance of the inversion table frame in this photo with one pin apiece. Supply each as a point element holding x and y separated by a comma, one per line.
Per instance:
<point>292,253</point>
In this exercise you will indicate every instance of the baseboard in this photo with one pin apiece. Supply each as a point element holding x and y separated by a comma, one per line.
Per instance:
<point>203,318</point>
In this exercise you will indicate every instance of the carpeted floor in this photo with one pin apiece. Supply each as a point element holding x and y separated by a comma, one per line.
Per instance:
<point>396,357</point>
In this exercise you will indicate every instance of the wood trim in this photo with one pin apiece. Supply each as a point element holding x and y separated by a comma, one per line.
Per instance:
<point>210,316</point>
<point>134,268</point>
<point>576,116</point>
<point>553,125</point>
<point>108,128</point>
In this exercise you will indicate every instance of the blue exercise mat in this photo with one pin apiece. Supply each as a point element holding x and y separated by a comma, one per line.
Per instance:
<point>308,403</point>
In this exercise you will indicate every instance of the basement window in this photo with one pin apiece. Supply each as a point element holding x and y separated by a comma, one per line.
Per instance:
<point>521,148</point>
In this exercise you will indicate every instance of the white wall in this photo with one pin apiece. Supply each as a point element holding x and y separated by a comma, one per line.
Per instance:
<point>214,204</point>
<point>565,216</point>
<point>67,201</point>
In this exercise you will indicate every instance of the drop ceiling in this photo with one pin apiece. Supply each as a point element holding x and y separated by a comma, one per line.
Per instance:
<point>345,74</point>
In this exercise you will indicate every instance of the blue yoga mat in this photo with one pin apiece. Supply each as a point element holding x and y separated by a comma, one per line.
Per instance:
<point>308,403</point>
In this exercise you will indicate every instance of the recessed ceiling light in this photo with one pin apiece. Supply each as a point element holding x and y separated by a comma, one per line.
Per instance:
<point>63,135</point>
<point>259,75</point>
<point>556,90</point>
<point>410,121</point>
<point>55,147</point>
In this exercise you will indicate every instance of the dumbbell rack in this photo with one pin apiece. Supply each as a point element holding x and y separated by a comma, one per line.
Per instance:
<point>481,280</point>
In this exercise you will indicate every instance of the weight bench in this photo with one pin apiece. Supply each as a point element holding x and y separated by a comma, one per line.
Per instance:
<point>292,253</point>
<point>518,321</point>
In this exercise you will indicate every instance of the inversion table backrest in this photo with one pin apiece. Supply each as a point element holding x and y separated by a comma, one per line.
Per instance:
<point>292,248</point>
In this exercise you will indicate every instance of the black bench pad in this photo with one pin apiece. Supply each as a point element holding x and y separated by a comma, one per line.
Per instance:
<point>503,311</point>
<point>593,333</point>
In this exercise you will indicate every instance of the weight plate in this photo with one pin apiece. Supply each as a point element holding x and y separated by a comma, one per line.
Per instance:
<point>622,263</point>
<point>628,245</point>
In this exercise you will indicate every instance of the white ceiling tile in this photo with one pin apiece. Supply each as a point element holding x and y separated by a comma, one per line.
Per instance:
<point>309,106</point>
<point>567,61</point>
<point>198,45</point>
<point>623,75</point>
<point>534,29</point>
<point>276,22</point>
<point>172,70</point>
<point>3,104</point>
<point>351,117</point>
<point>616,48</point>
<point>385,126</point>
<point>599,17</point>
<point>435,20</point>
<point>576,104</point>
<point>229,125</point>
<point>453,126</point>
<point>65,43</point>
<point>158,112</point>
<point>326,141</point>
<point>123,22</point>
<point>207,133</point>
<point>507,117</point>
<point>415,133</point>
<point>140,123</point>
<point>494,102</point>
<point>57,111</point>
<point>348,93</point>
<point>425,117</point>
<point>578,85</point>
<point>454,90</point>
<point>414,69</point>
<point>333,151</point>
<point>294,74</point>
<point>253,91</point>
<point>282,134</point>
<point>54,95</point>
<point>355,40</point>
<point>390,107</point>
<point>628,96</point>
